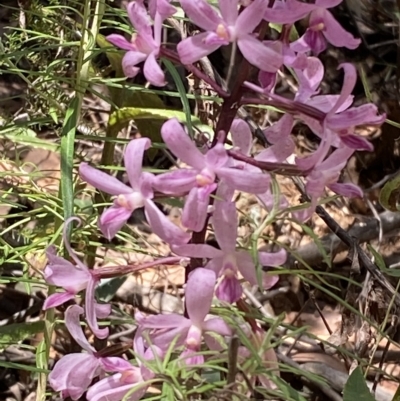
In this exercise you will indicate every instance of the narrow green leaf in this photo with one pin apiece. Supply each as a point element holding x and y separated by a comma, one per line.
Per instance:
<point>67,157</point>
<point>14,333</point>
<point>356,388</point>
<point>390,194</point>
<point>381,263</point>
<point>28,140</point>
<point>182,91</point>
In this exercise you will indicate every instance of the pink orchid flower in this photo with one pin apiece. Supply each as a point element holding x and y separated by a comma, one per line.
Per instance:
<point>341,119</point>
<point>145,44</point>
<point>227,261</point>
<point>229,27</point>
<point>188,332</point>
<point>326,173</point>
<point>73,373</point>
<point>322,25</point>
<point>129,198</point>
<point>200,181</point>
<point>74,279</point>
<point>129,383</point>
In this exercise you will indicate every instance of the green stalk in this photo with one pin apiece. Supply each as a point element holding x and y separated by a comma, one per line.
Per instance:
<point>66,191</point>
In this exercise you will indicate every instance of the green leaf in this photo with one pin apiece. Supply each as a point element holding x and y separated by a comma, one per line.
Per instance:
<point>390,194</point>
<point>356,388</point>
<point>67,158</point>
<point>28,140</point>
<point>182,92</point>
<point>381,263</point>
<point>14,333</point>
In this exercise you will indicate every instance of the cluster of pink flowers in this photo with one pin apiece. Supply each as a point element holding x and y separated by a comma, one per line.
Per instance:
<point>208,182</point>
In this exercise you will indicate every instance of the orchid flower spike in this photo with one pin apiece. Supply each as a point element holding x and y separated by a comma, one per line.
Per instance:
<point>128,198</point>
<point>229,27</point>
<point>145,44</point>
<point>74,279</point>
<point>188,332</point>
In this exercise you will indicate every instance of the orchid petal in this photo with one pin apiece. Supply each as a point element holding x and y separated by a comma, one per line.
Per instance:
<point>57,299</point>
<point>102,181</point>
<point>225,225</point>
<point>181,145</point>
<point>288,12</point>
<point>357,142</point>
<point>325,103</point>
<point>242,180</point>
<point>217,325</point>
<point>90,311</point>
<point>153,72</point>
<point>196,47</point>
<point>163,227</point>
<point>139,17</point>
<point>349,190</point>
<point>277,153</point>
<point>268,281</point>
<point>175,182</point>
<point>195,211</point>
<point>64,274</point>
<point>333,31</point>
<point>229,11</point>
<point>72,322</point>
<point>197,251</point>
<point>199,293</point>
<point>309,79</point>
<point>217,156</point>
<point>327,3</point>
<point>215,264</point>
<point>272,258</point>
<point>129,62</point>
<point>279,130</point>
<point>102,310</point>
<point>162,7</point>
<point>246,267</point>
<point>349,82</point>
<point>365,114</point>
<point>229,289</point>
<point>116,387</point>
<point>133,159</point>
<point>241,135</point>
<point>202,14</point>
<point>250,17</point>
<point>121,42</point>
<point>260,55</point>
<point>113,219</point>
